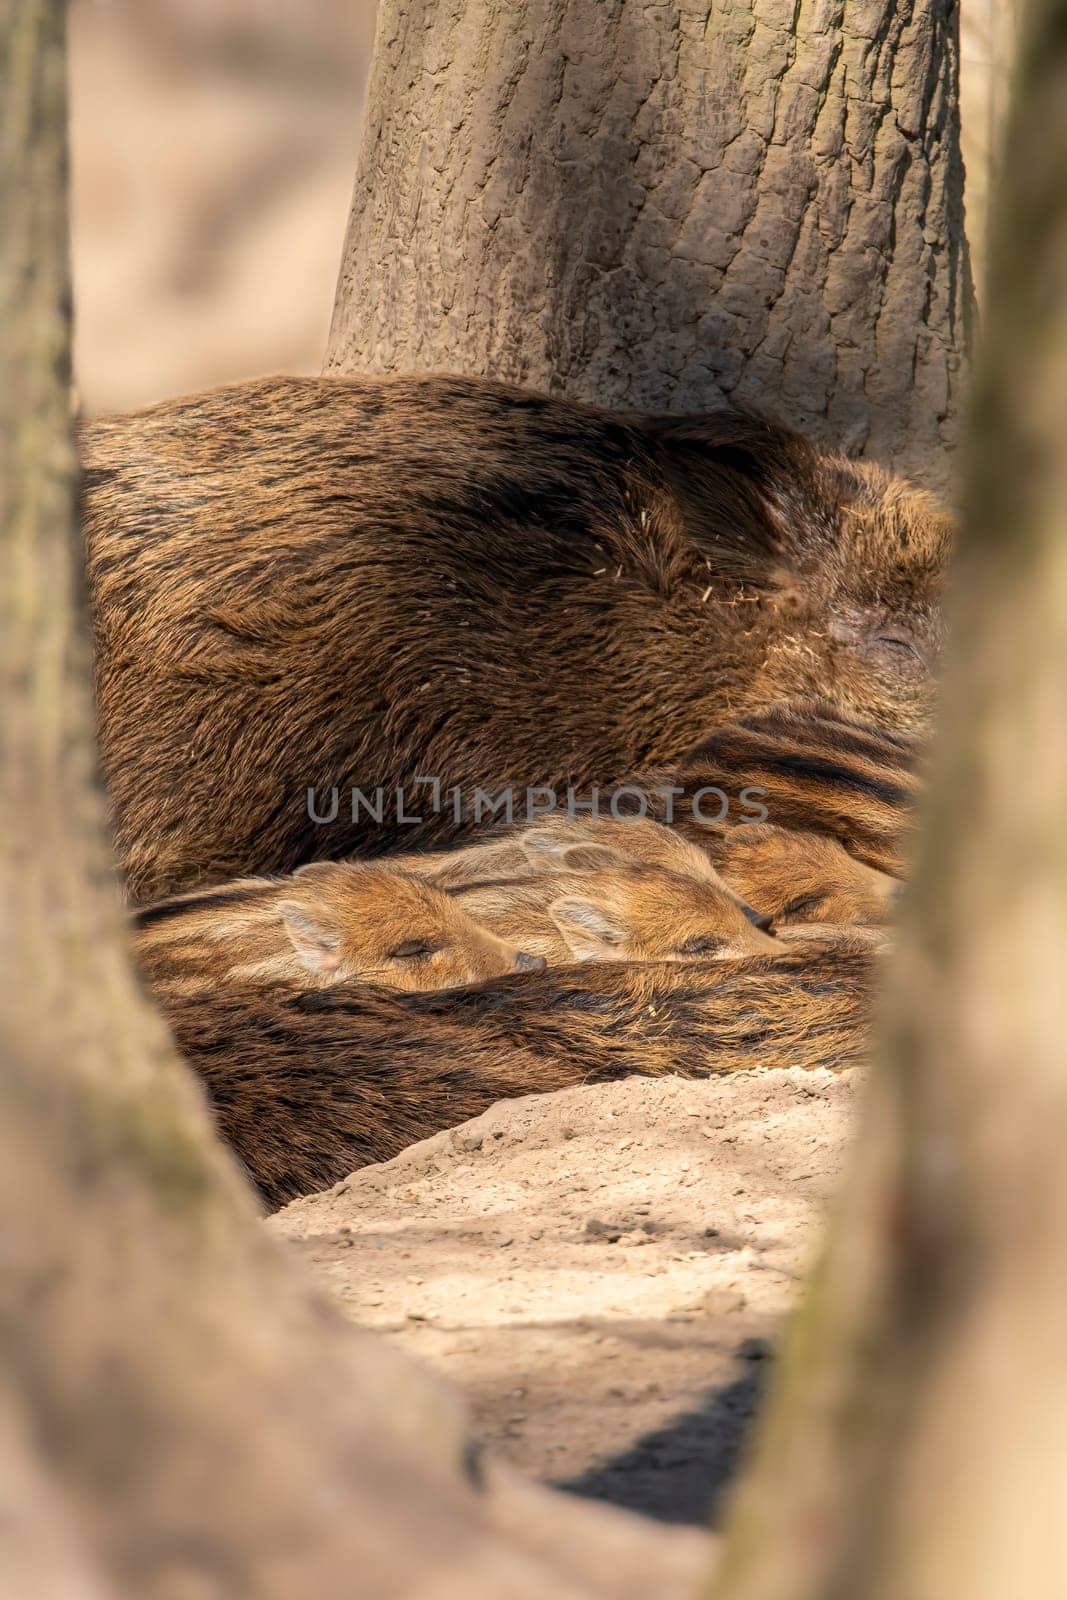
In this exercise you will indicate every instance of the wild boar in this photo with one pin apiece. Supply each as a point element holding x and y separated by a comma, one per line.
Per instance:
<point>306,590</point>
<point>305,1087</point>
<point>518,850</point>
<point>802,877</point>
<point>587,902</point>
<point>328,923</point>
<point>846,793</point>
<point>807,768</point>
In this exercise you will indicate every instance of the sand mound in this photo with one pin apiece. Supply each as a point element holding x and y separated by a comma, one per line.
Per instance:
<point>602,1271</point>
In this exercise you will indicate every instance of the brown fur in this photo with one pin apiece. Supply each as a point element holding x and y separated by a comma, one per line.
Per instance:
<point>812,770</point>
<point>302,583</point>
<point>789,876</point>
<point>810,935</point>
<point>305,1087</point>
<point>590,903</point>
<point>802,877</point>
<point>516,850</point>
<point>329,923</point>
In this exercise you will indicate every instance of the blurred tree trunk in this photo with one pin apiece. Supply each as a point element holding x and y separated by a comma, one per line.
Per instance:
<point>179,1414</point>
<point>655,206</point>
<point>917,1444</point>
<point>987,47</point>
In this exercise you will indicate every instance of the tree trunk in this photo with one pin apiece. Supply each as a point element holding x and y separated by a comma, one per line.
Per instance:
<point>987,47</point>
<point>179,1413</point>
<point>917,1445</point>
<point>656,206</point>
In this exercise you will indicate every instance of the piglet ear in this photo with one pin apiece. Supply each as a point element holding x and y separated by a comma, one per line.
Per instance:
<point>544,848</point>
<point>590,932</point>
<point>540,844</point>
<point>591,858</point>
<point>315,944</point>
<point>317,869</point>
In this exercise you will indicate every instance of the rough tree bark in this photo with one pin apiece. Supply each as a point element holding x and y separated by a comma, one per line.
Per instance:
<point>917,1445</point>
<point>179,1413</point>
<point>657,205</point>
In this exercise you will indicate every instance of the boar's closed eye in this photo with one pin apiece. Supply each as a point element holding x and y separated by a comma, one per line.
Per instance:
<point>411,950</point>
<point>901,646</point>
<point>801,906</point>
<point>702,945</point>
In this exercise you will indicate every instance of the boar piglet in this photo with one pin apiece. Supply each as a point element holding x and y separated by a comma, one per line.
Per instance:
<point>306,1086</point>
<point>586,902</point>
<point>806,767</point>
<point>803,877</point>
<point>517,849</point>
<point>326,924</point>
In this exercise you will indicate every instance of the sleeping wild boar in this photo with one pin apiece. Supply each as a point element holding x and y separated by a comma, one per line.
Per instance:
<point>307,586</point>
<point>803,877</point>
<point>328,923</point>
<point>306,1086</point>
<point>587,902</point>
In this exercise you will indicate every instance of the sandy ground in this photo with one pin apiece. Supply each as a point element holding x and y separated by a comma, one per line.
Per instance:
<point>602,1272</point>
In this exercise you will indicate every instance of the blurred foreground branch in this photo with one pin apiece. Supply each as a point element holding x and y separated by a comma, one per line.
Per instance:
<point>917,1445</point>
<point>179,1413</point>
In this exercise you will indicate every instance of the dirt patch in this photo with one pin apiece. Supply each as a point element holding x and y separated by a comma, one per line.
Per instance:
<point>602,1271</point>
